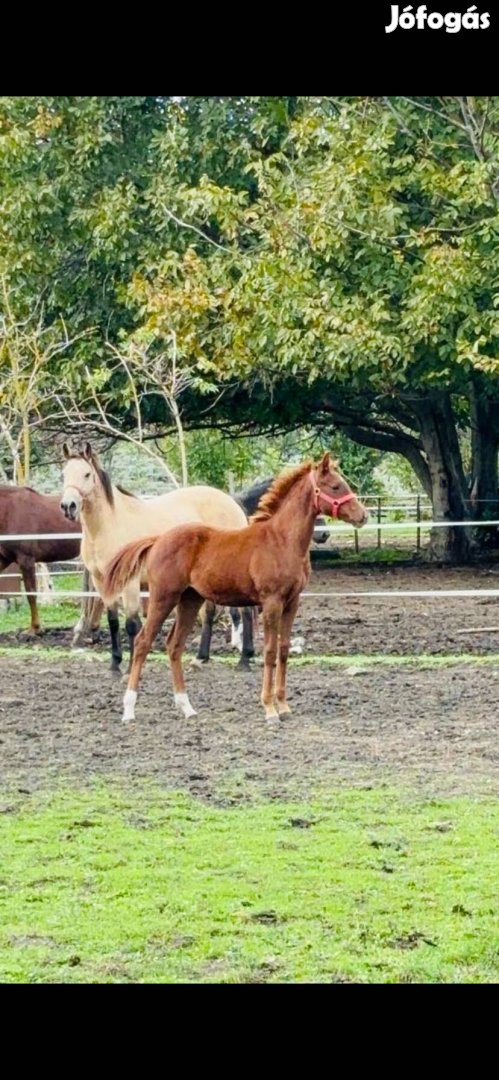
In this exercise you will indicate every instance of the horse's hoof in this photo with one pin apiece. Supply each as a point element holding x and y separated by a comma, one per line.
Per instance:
<point>183,704</point>
<point>271,716</point>
<point>197,662</point>
<point>283,708</point>
<point>115,670</point>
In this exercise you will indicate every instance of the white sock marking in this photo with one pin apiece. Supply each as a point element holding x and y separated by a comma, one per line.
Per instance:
<point>182,702</point>
<point>236,640</point>
<point>129,705</point>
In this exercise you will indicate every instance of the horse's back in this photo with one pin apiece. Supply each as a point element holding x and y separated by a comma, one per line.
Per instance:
<point>205,504</point>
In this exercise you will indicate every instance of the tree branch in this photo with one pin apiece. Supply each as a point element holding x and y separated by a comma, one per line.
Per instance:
<point>394,445</point>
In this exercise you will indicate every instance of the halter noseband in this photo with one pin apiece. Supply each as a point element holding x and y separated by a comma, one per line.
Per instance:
<point>333,503</point>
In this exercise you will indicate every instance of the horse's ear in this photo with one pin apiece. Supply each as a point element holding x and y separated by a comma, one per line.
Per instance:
<point>325,465</point>
<point>87,451</point>
<point>66,449</point>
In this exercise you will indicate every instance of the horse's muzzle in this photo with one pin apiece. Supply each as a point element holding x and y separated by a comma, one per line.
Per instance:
<point>69,509</point>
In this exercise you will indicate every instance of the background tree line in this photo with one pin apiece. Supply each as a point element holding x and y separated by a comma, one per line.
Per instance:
<point>256,266</point>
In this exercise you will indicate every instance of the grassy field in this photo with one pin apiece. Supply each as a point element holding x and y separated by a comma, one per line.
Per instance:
<point>357,885</point>
<point>352,660</point>
<point>63,613</point>
<point>361,883</point>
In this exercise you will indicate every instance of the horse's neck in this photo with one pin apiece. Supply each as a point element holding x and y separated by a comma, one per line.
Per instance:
<point>295,518</point>
<point>97,516</point>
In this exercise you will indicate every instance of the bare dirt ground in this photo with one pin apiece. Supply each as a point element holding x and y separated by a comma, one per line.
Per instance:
<point>437,725</point>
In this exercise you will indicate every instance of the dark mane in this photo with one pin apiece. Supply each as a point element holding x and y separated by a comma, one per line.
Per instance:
<point>281,486</point>
<point>249,499</point>
<point>104,478</point>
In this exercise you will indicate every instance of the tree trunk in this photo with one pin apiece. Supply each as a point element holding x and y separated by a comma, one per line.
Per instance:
<point>448,485</point>
<point>484,440</point>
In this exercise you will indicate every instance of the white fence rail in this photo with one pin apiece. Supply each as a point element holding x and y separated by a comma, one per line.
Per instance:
<point>334,529</point>
<point>343,528</point>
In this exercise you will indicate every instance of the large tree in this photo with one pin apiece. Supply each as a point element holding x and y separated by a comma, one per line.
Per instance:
<point>356,280</point>
<point>322,261</point>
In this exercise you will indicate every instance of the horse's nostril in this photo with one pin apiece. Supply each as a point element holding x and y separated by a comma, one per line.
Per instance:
<point>72,506</point>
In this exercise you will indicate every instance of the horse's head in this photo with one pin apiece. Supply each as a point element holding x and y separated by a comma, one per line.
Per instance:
<point>81,478</point>
<point>321,534</point>
<point>334,497</point>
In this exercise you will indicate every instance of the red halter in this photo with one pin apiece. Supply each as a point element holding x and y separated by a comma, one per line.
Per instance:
<point>333,503</point>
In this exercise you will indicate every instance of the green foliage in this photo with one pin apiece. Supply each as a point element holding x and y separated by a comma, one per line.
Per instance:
<point>324,234</point>
<point>321,260</point>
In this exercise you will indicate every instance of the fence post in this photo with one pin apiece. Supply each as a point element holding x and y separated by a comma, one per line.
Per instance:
<point>418,519</point>
<point>230,477</point>
<point>379,521</point>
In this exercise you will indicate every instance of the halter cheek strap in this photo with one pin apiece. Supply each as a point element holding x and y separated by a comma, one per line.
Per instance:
<point>334,504</point>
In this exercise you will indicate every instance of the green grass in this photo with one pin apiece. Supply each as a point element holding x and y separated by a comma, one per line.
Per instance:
<point>63,614</point>
<point>362,660</point>
<point>374,556</point>
<point>358,885</point>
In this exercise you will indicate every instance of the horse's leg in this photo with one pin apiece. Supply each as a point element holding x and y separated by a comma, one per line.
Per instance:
<point>5,561</point>
<point>114,630</point>
<point>272,611</point>
<point>132,625</point>
<point>187,610</point>
<point>158,611</point>
<point>95,616</point>
<point>248,650</point>
<point>131,604</point>
<point>287,620</point>
<point>27,567</point>
<point>91,613</point>
<point>82,624</point>
<point>203,654</point>
<point>237,630</point>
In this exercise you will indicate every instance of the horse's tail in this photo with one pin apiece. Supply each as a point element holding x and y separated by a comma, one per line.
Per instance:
<point>125,565</point>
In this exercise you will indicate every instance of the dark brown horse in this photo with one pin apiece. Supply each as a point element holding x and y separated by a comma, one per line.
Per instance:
<point>24,511</point>
<point>265,564</point>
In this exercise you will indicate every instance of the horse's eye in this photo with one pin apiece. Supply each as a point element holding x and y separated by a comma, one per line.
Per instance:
<point>88,475</point>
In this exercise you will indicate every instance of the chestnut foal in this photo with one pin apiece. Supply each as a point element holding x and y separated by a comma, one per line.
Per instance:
<point>266,564</point>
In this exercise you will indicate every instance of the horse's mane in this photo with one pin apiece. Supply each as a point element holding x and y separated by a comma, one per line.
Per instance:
<point>249,499</point>
<point>104,478</point>
<point>280,487</point>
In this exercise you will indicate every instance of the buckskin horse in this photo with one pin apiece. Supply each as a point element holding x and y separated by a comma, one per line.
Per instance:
<point>110,515</point>
<point>265,564</point>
